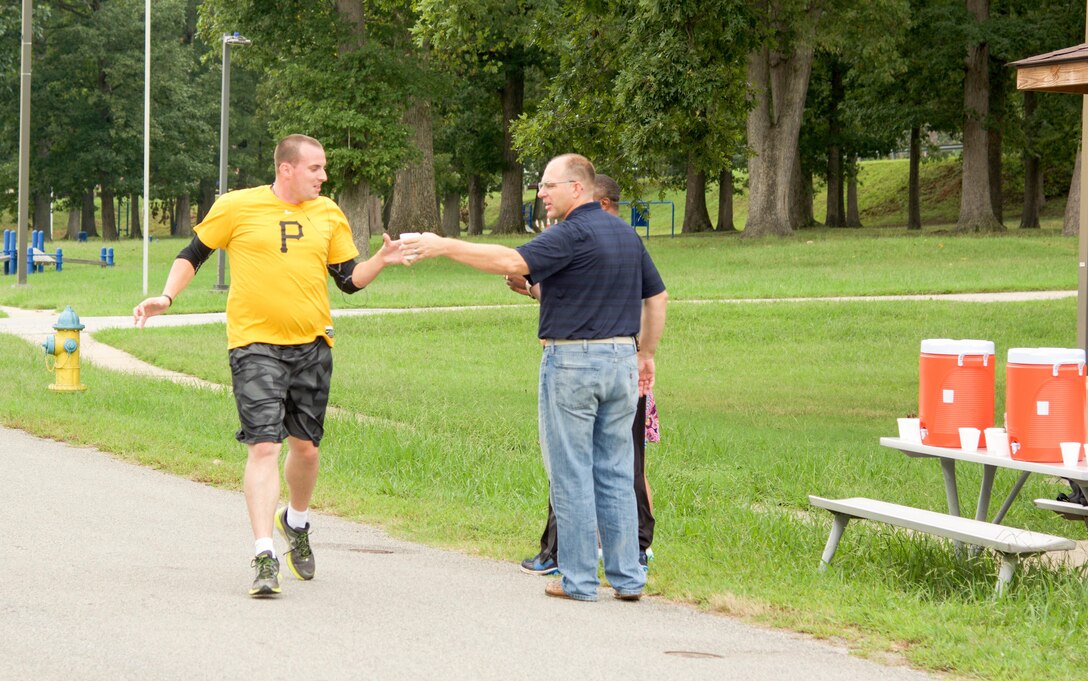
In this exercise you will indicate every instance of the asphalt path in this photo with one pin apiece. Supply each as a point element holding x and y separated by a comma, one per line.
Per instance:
<point>116,571</point>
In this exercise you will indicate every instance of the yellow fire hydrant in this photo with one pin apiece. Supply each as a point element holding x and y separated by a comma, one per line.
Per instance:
<point>64,346</point>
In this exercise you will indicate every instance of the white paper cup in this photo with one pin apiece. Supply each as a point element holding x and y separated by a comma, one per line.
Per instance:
<point>997,442</point>
<point>910,430</point>
<point>1070,452</point>
<point>407,238</point>
<point>969,439</point>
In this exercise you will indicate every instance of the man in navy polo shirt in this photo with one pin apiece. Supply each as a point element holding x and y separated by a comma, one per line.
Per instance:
<point>598,285</point>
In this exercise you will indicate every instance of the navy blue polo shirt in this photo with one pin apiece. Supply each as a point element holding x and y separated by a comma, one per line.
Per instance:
<point>594,273</point>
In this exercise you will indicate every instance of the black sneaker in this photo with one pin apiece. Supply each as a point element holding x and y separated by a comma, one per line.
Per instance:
<point>644,558</point>
<point>539,565</point>
<point>267,582</point>
<point>300,558</point>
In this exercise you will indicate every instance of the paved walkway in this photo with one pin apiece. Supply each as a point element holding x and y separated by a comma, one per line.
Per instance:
<point>116,572</point>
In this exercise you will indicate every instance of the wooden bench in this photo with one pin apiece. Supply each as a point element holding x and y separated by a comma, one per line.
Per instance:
<point>1010,542</point>
<point>1065,509</point>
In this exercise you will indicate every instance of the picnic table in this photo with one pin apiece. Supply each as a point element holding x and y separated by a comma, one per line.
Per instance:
<point>1010,543</point>
<point>990,463</point>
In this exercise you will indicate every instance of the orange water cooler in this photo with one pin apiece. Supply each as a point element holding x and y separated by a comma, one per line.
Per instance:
<point>1044,401</point>
<point>955,389</point>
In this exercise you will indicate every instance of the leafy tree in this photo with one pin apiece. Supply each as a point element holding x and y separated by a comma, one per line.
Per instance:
<point>645,87</point>
<point>328,71</point>
<point>861,50</point>
<point>492,38</point>
<point>468,130</point>
<point>87,119</point>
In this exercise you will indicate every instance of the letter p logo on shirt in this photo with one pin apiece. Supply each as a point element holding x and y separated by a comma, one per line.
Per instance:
<point>284,235</point>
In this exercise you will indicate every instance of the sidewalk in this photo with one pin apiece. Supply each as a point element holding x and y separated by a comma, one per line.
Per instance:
<point>120,572</point>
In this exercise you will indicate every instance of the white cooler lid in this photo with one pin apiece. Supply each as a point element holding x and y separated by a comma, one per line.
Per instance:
<point>947,346</point>
<point>1046,356</point>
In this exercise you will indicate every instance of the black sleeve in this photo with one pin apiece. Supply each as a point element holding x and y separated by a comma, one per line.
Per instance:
<point>196,253</point>
<point>341,274</point>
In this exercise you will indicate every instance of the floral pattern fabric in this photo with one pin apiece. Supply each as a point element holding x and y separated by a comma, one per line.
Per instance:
<point>653,430</point>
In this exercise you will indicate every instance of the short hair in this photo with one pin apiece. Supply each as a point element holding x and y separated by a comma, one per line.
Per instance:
<point>579,168</point>
<point>606,188</point>
<point>287,151</point>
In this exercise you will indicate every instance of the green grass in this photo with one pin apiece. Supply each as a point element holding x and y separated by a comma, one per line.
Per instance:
<point>819,262</point>
<point>761,404</point>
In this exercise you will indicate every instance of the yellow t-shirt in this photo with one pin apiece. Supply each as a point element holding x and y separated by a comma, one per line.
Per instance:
<point>278,252</point>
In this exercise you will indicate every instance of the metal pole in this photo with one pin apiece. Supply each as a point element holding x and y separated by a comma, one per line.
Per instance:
<point>1082,226</point>
<point>24,146</point>
<point>224,131</point>
<point>147,134</point>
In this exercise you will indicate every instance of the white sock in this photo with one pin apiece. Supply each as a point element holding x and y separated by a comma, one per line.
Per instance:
<point>297,519</point>
<point>263,545</point>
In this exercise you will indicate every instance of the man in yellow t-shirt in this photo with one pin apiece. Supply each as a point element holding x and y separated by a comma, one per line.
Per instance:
<point>282,240</point>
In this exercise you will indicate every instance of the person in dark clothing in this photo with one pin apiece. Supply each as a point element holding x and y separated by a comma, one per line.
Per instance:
<point>607,193</point>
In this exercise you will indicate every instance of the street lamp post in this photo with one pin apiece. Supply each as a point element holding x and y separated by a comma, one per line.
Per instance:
<point>23,222</point>
<point>224,132</point>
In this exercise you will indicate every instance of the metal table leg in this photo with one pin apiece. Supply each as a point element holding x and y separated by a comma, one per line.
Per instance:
<point>984,492</point>
<point>1012,496</point>
<point>948,468</point>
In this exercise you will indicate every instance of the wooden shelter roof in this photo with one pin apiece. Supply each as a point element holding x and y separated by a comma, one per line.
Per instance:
<point>1064,70</point>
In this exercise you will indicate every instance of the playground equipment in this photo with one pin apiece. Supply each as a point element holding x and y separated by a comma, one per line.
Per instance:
<point>64,347</point>
<point>640,215</point>
<point>37,258</point>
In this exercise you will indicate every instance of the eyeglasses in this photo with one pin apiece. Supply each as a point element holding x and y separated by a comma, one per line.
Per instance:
<point>552,185</point>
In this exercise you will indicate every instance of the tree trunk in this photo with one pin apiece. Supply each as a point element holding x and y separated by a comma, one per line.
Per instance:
<point>414,206</point>
<point>134,207</point>
<point>362,212</point>
<point>185,217</point>
<point>801,196</point>
<point>353,14</point>
<point>1071,222</point>
<point>206,198</point>
<point>87,215</point>
<point>696,216</point>
<point>993,165</point>
<point>109,215</point>
<point>513,103</point>
<point>451,215</point>
<point>853,215</point>
<point>976,200</point>
<point>780,82</point>
<point>914,189</point>
<point>1029,216</point>
<point>43,215</point>
<point>74,217</point>
<point>725,201</point>
<point>539,214</point>
<point>475,206</point>
<point>995,138</point>
<point>835,205</point>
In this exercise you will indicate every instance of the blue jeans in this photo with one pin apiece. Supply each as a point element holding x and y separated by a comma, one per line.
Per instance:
<point>588,393</point>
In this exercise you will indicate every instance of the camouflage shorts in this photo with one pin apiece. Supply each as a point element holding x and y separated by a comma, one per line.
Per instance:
<point>281,390</point>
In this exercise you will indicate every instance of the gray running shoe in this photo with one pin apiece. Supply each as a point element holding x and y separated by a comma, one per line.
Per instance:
<point>267,582</point>
<point>300,558</point>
